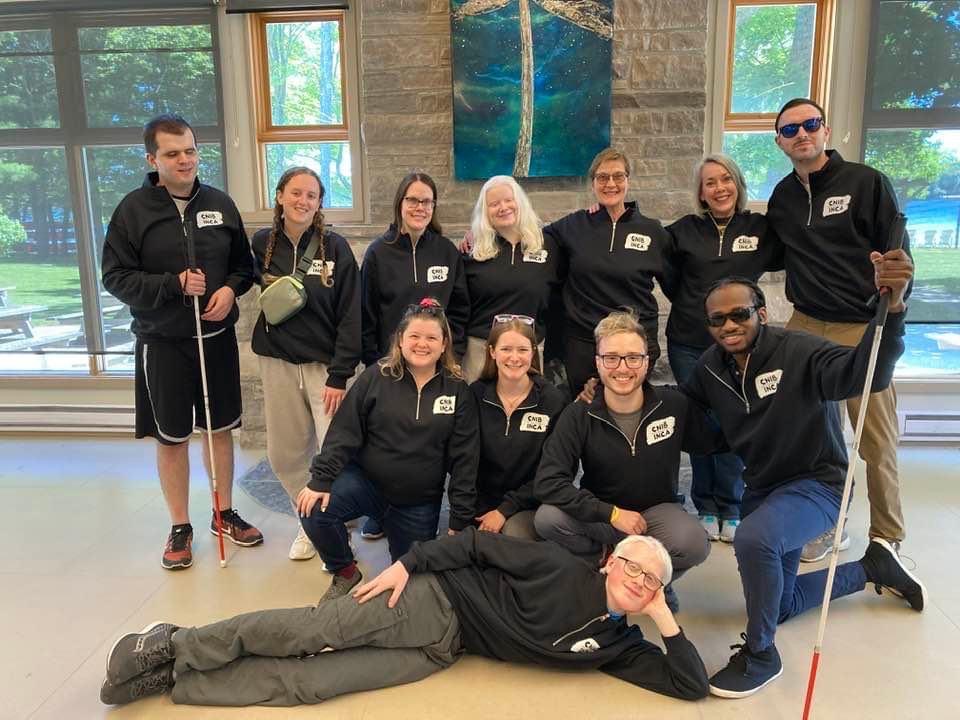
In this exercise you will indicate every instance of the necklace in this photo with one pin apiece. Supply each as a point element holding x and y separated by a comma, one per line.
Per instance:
<point>720,226</point>
<point>510,402</point>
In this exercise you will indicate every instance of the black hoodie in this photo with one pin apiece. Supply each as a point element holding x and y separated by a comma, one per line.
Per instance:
<point>608,265</point>
<point>779,415</point>
<point>406,441</point>
<point>533,602</point>
<point>511,447</point>
<point>145,251</point>
<point>395,274</point>
<point>327,328</point>
<point>632,473</point>
<point>828,232</point>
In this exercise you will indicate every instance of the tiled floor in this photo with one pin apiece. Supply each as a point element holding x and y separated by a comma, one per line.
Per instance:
<point>84,523</point>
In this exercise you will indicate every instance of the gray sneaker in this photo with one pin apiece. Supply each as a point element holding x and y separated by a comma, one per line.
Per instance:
<point>153,682</point>
<point>820,547</point>
<point>340,586</point>
<point>136,653</point>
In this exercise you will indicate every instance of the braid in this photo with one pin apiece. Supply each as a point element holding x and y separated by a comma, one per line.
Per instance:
<point>272,240</point>
<point>325,278</point>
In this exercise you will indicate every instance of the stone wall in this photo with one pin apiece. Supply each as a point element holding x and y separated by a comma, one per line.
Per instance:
<point>659,76</point>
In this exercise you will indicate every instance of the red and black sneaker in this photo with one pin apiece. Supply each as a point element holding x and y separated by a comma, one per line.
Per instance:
<point>177,554</point>
<point>238,530</point>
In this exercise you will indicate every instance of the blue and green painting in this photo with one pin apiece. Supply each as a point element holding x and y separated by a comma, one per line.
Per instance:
<point>531,86</point>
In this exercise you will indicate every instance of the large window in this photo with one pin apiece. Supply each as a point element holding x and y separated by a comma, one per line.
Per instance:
<point>911,132</point>
<point>75,91</point>
<point>303,113</point>
<point>775,53</point>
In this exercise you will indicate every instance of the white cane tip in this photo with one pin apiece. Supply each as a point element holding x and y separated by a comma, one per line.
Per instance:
<point>223,563</point>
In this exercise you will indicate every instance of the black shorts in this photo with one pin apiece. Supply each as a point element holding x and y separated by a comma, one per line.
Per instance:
<point>169,391</point>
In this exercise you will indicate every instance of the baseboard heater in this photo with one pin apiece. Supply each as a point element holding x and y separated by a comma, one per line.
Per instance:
<point>931,427</point>
<point>67,418</point>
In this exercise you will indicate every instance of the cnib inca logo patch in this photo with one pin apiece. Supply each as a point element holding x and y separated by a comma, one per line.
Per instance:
<point>534,422</point>
<point>445,405</point>
<point>768,383</point>
<point>836,205</point>
<point>540,256</point>
<point>746,243</point>
<point>437,273</point>
<point>209,218</point>
<point>660,430</point>
<point>636,241</point>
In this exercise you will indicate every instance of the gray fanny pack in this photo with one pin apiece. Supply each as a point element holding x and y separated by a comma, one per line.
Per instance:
<point>286,296</point>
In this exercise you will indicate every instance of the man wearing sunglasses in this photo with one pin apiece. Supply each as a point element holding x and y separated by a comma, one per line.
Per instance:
<point>830,214</point>
<point>774,393</point>
<point>474,592</point>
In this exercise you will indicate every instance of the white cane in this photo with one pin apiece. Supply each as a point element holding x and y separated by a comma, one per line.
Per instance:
<point>896,241</point>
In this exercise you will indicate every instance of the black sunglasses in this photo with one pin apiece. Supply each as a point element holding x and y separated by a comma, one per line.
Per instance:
<point>740,315</point>
<point>810,126</point>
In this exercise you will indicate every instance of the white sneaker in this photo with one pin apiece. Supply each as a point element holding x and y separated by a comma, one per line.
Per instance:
<point>729,531</point>
<point>302,548</point>
<point>711,526</point>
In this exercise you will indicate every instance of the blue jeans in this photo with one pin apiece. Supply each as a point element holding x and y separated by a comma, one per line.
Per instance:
<point>717,479</point>
<point>775,527</point>
<point>353,496</point>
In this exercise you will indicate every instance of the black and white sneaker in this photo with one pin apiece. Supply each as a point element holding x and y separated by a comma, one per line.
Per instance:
<point>746,672</point>
<point>137,653</point>
<point>885,569</point>
<point>153,682</point>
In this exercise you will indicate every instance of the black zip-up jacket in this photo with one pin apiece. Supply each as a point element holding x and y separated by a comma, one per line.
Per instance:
<point>395,274</point>
<point>779,415</point>
<point>632,473</point>
<point>511,447</point>
<point>533,602</point>
<point>514,282</point>
<point>828,232</point>
<point>327,328</point>
<point>145,251</point>
<point>699,257</point>
<point>608,265</point>
<point>406,441</point>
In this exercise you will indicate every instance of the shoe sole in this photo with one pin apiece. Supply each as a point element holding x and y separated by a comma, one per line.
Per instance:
<point>179,566</point>
<point>371,536</point>
<point>145,630</point>
<point>734,694</point>
<point>232,539</point>
<point>844,545</point>
<point>729,541</point>
<point>896,558</point>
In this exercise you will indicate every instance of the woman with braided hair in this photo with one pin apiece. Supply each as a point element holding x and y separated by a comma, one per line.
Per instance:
<point>306,360</point>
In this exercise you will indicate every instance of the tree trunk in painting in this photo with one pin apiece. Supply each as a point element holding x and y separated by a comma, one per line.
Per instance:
<point>521,160</point>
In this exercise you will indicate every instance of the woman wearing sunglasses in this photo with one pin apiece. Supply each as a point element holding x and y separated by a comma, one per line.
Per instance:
<point>407,422</point>
<point>511,269</point>
<point>611,257</point>
<point>517,408</point>
<point>721,238</point>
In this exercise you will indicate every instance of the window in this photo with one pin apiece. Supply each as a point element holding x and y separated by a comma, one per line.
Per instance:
<point>775,52</point>
<point>911,132</point>
<point>75,91</point>
<point>304,116</point>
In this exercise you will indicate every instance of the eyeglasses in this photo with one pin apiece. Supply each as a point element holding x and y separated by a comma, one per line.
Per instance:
<point>632,361</point>
<point>810,126</point>
<point>650,581</point>
<point>740,315</point>
<point>603,178</point>
<point>506,317</point>
<point>413,203</point>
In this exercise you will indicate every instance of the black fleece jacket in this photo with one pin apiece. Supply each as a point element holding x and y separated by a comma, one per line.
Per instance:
<point>514,282</point>
<point>327,328</point>
<point>406,441</point>
<point>511,447</point>
<point>779,415</point>
<point>699,257</point>
<point>145,251</point>
<point>533,602</point>
<point>608,265</point>
<point>828,232</point>
<point>632,473</point>
<point>395,274</point>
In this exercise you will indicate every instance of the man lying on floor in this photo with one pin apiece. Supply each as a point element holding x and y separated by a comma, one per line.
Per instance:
<point>475,592</point>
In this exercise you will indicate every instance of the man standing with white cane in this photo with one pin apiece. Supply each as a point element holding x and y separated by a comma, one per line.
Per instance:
<point>148,264</point>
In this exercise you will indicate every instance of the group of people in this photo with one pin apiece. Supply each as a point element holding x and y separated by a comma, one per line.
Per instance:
<point>536,567</point>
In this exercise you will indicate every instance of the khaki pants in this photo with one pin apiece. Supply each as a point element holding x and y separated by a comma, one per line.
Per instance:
<point>878,445</point>
<point>296,422</point>
<point>476,356</point>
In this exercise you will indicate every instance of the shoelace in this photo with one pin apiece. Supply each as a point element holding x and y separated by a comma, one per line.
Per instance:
<point>178,541</point>
<point>230,517</point>
<point>151,658</point>
<point>742,654</point>
<point>151,683</point>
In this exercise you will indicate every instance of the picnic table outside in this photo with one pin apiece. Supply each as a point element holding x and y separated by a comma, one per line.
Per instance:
<point>19,318</point>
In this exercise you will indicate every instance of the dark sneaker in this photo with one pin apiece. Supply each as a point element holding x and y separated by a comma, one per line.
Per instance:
<point>177,554</point>
<point>747,671</point>
<point>372,529</point>
<point>238,530</point>
<point>885,569</point>
<point>152,682</point>
<point>821,546</point>
<point>340,585</point>
<point>136,653</point>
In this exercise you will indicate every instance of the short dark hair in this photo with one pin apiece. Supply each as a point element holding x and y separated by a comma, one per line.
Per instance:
<point>793,103</point>
<point>759,300</point>
<point>405,184</point>
<point>169,123</point>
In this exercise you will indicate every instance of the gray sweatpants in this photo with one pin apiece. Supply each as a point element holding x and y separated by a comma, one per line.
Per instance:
<point>306,655</point>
